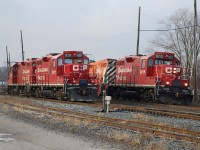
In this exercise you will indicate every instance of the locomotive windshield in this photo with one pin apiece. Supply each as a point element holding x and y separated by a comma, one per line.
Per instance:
<point>160,62</point>
<point>86,61</point>
<point>75,61</point>
<point>68,61</point>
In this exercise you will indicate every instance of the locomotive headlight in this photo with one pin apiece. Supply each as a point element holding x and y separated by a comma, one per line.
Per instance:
<point>74,81</point>
<point>174,70</point>
<point>167,82</point>
<point>186,84</point>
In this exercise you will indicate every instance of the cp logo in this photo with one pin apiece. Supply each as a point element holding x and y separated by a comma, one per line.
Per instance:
<point>77,67</point>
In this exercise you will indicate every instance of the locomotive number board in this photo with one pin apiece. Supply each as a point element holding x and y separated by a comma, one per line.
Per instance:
<point>160,56</point>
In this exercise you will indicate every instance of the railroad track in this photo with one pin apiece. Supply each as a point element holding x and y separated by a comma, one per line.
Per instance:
<point>175,111</point>
<point>161,112</point>
<point>158,130</point>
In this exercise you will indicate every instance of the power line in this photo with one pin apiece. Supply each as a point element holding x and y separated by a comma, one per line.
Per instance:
<point>170,29</point>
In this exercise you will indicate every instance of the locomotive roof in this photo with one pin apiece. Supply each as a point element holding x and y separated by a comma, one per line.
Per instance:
<point>56,56</point>
<point>52,54</point>
<point>147,56</point>
<point>136,56</point>
<point>105,59</point>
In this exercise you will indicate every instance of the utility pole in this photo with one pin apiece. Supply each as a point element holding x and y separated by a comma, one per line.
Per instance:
<point>22,46</point>
<point>138,36</point>
<point>195,99</point>
<point>7,57</point>
<point>8,66</point>
<point>9,63</point>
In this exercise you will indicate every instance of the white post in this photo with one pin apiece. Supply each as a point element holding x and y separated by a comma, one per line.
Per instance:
<point>108,99</point>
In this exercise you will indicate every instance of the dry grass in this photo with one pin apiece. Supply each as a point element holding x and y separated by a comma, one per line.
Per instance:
<point>157,146</point>
<point>195,146</point>
<point>121,136</point>
<point>140,141</point>
<point>5,107</point>
<point>136,141</point>
<point>147,119</point>
<point>73,120</point>
<point>142,117</point>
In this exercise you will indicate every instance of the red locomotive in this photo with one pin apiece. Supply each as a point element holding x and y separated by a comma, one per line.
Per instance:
<point>57,75</point>
<point>154,77</point>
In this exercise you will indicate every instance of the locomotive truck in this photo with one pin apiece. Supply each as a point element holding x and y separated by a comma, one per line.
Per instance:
<point>57,75</point>
<point>156,77</point>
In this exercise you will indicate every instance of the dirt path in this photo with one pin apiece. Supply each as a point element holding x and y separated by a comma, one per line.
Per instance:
<point>18,135</point>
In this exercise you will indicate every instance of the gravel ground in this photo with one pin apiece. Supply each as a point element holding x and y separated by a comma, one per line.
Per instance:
<point>176,122</point>
<point>126,139</point>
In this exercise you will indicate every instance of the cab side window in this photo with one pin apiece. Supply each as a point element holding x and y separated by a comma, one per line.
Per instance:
<point>143,63</point>
<point>53,63</point>
<point>59,61</point>
<point>150,63</point>
<point>86,61</point>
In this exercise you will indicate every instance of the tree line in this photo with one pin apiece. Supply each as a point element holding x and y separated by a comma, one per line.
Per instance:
<point>3,73</point>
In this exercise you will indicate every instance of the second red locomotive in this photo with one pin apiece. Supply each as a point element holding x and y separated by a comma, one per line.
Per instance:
<point>57,75</point>
<point>156,77</point>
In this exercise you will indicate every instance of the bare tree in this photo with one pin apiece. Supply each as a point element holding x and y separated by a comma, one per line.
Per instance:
<point>177,36</point>
<point>3,73</point>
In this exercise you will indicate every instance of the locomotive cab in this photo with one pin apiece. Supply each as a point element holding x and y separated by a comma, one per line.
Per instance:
<point>78,84</point>
<point>12,79</point>
<point>169,82</point>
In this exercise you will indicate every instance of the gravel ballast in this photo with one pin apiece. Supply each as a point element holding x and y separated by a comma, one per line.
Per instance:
<point>129,139</point>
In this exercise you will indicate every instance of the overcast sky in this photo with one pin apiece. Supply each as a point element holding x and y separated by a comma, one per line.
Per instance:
<point>102,28</point>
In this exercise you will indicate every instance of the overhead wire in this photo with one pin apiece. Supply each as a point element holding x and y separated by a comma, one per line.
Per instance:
<point>169,29</point>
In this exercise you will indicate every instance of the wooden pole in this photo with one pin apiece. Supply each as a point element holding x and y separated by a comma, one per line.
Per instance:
<point>9,63</point>
<point>195,98</point>
<point>138,35</point>
<point>7,57</point>
<point>22,46</point>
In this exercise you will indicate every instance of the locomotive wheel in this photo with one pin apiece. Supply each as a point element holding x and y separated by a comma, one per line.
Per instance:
<point>69,96</point>
<point>148,96</point>
<point>57,95</point>
<point>176,102</point>
<point>164,98</point>
<point>187,100</point>
<point>184,100</point>
<point>59,98</point>
<point>38,93</point>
